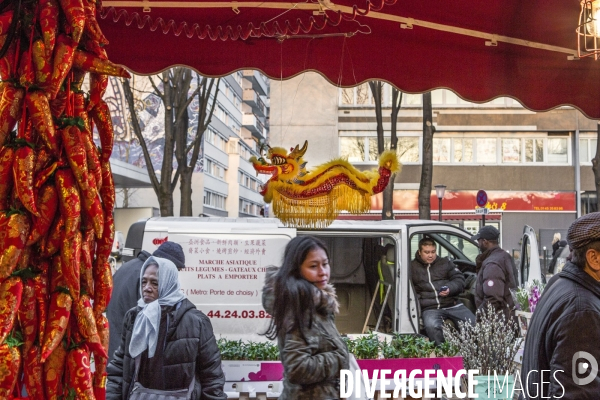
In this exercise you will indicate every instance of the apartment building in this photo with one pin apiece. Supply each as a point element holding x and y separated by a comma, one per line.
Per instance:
<point>534,166</point>
<point>225,184</point>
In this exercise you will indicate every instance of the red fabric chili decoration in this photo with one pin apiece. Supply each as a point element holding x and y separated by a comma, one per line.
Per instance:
<point>41,63</point>
<point>40,284</point>
<point>33,373</point>
<point>70,255</point>
<point>15,237</point>
<point>80,376</point>
<point>58,320</point>
<point>48,204</point>
<point>48,15</point>
<point>89,62</point>
<point>73,10</point>
<point>86,263</point>
<point>107,191</point>
<point>11,292</point>
<point>58,104</point>
<point>86,323</point>
<point>98,85</point>
<point>10,110</point>
<point>7,156</point>
<point>23,170</point>
<point>28,318</point>
<point>103,287</point>
<point>101,116</point>
<point>54,368</point>
<point>41,117</point>
<point>52,242</point>
<point>63,60</point>
<point>26,72</point>
<point>10,363</point>
<point>69,201</point>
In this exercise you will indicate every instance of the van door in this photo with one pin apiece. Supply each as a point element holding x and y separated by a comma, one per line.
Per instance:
<point>453,242</point>
<point>530,267</point>
<point>225,274</point>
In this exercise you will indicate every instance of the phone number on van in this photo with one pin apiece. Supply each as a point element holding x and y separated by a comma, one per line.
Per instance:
<point>238,314</point>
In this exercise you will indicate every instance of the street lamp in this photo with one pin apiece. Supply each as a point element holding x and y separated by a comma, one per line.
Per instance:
<point>440,190</point>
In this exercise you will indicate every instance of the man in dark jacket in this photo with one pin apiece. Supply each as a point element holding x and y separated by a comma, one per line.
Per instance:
<point>438,283</point>
<point>562,349</point>
<point>173,341</point>
<point>126,288</point>
<point>495,274</point>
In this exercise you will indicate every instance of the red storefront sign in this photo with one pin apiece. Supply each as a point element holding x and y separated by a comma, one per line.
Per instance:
<point>408,200</point>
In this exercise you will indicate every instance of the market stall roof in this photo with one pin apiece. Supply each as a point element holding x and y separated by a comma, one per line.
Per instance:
<point>481,50</point>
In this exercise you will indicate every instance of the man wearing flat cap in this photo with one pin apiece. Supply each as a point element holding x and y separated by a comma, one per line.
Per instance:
<point>562,349</point>
<point>495,275</point>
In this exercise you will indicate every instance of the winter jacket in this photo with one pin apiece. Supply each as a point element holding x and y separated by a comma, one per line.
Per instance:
<point>311,363</point>
<point>495,278</point>
<point>566,321</point>
<point>428,279</point>
<point>189,348</point>
<point>125,295</point>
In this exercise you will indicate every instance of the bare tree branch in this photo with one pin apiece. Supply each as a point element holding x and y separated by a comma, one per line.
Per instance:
<point>156,91</point>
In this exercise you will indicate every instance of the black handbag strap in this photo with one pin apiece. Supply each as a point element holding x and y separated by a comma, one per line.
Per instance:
<point>138,361</point>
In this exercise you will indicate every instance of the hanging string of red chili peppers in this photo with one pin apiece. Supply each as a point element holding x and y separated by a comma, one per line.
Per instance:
<point>56,200</point>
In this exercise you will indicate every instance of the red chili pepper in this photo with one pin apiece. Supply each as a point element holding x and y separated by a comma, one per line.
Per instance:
<point>101,115</point>
<point>5,20</point>
<point>42,176</point>
<point>86,323</point>
<point>57,279</point>
<point>76,156</point>
<point>81,111</point>
<point>54,368</point>
<point>58,320</point>
<point>91,24</point>
<point>7,63</point>
<point>9,370</point>
<point>93,159</point>
<point>80,376</point>
<point>86,272</point>
<point>69,201</point>
<point>107,191</point>
<point>41,63</point>
<point>58,104</point>
<point>103,285</point>
<point>24,259</point>
<point>26,72</point>
<point>48,14</point>
<point>89,62</point>
<point>11,291</point>
<point>40,284</point>
<point>51,243</point>
<point>41,117</point>
<point>48,203</point>
<point>15,237</point>
<point>70,261</point>
<point>73,10</point>
<point>28,318</point>
<point>23,169</point>
<point>63,60</point>
<point>7,156</point>
<point>98,85</point>
<point>100,362</point>
<point>42,160</point>
<point>33,373</point>
<point>10,110</point>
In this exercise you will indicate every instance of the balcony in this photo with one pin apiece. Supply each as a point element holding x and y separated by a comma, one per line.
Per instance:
<point>251,98</point>
<point>253,124</point>
<point>254,80</point>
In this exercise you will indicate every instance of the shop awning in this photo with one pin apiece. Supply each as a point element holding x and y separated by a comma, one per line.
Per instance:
<point>481,50</point>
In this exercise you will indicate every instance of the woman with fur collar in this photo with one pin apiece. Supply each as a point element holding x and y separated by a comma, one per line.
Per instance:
<point>302,304</point>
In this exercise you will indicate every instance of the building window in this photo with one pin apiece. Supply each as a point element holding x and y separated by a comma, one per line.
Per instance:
<point>587,150</point>
<point>214,169</point>
<point>558,150</point>
<point>486,150</point>
<point>511,150</point>
<point>353,148</point>
<point>214,200</point>
<point>463,150</point>
<point>441,150</point>
<point>534,150</point>
<point>247,207</point>
<point>215,139</point>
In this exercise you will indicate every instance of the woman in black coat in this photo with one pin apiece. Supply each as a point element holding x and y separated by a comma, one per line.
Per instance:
<point>174,341</point>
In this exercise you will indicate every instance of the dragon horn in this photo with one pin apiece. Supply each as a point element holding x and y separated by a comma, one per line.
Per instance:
<point>303,149</point>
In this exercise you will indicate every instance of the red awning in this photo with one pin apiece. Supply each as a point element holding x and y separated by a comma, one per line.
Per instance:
<point>446,47</point>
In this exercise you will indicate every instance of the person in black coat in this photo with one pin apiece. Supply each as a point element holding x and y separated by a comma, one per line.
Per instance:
<point>562,348</point>
<point>126,292</point>
<point>166,344</point>
<point>438,283</point>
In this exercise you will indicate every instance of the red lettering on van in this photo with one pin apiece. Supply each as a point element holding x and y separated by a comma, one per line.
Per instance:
<point>159,241</point>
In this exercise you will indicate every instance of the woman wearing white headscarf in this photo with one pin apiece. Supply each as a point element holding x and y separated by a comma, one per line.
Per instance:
<point>167,344</point>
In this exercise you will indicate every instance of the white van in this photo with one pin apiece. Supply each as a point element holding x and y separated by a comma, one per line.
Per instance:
<point>226,260</point>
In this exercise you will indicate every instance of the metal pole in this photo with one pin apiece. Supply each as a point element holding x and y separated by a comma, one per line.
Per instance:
<point>577,168</point>
<point>440,207</point>
<point>482,220</point>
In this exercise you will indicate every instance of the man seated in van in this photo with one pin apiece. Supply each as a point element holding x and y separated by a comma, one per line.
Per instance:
<point>438,284</point>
